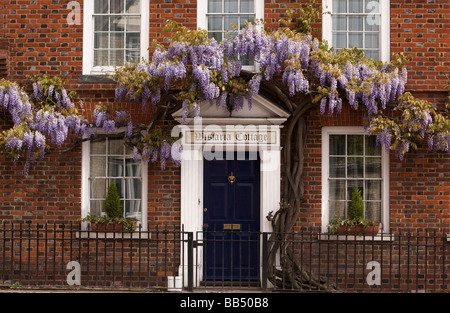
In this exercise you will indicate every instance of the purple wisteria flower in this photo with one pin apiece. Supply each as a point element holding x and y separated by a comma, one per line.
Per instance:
<point>109,126</point>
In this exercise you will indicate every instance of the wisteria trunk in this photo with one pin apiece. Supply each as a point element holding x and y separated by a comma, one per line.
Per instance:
<point>285,269</point>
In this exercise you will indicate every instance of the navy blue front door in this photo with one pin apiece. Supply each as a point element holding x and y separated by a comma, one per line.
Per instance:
<point>231,219</point>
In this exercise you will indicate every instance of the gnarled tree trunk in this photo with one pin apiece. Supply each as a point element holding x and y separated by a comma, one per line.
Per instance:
<point>289,272</point>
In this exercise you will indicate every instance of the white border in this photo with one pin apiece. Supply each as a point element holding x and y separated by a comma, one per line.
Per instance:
<point>385,30</point>
<point>326,131</point>
<point>85,172</point>
<point>191,202</point>
<point>88,38</point>
<point>202,10</point>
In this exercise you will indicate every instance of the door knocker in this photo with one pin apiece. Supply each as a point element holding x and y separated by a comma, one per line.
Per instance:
<point>231,178</point>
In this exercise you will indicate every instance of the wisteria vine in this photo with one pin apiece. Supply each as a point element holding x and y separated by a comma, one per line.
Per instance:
<point>202,69</point>
<point>44,118</point>
<point>205,70</point>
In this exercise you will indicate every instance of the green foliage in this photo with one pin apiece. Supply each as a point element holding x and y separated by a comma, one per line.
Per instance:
<point>112,203</point>
<point>303,19</point>
<point>128,224</point>
<point>356,206</point>
<point>355,215</point>
<point>16,285</point>
<point>338,222</point>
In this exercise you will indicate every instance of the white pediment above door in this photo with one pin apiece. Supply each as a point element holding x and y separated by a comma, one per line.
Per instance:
<point>263,112</point>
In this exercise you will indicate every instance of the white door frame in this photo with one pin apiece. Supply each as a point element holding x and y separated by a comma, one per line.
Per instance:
<point>268,117</point>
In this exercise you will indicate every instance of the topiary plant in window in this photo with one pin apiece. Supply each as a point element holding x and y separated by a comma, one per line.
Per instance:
<point>113,221</point>
<point>356,206</point>
<point>355,223</point>
<point>112,206</point>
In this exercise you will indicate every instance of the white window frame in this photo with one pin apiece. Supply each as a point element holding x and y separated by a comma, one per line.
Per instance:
<point>352,130</point>
<point>385,33</point>
<point>85,186</point>
<point>88,38</point>
<point>202,20</point>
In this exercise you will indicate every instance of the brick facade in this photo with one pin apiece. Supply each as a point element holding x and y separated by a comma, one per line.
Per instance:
<point>37,39</point>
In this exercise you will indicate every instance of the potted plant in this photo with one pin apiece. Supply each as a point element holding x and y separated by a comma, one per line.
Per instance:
<point>113,221</point>
<point>355,224</point>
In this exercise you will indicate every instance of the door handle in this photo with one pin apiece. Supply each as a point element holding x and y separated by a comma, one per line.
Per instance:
<point>205,226</point>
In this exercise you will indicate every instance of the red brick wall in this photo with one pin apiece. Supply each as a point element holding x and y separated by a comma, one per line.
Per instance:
<point>41,41</point>
<point>420,29</point>
<point>51,192</point>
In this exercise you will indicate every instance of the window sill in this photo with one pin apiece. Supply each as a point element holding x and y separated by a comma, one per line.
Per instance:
<point>89,234</point>
<point>378,238</point>
<point>89,79</point>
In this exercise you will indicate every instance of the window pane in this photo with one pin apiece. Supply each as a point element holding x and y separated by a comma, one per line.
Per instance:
<point>371,146</point>
<point>247,6</point>
<point>372,40</point>
<point>373,211</point>
<point>244,19</point>
<point>115,167</point>
<point>355,167</point>
<point>117,6</point>
<point>98,146</point>
<point>96,207</point>
<point>372,54</point>
<point>132,169</point>
<point>372,6</point>
<point>132,209</point>
<point>339,23</point>
<point>340,40</point>
<point>117,40</point>
<point>337,209</point>
<point>101,57</point>
<point>373,167</point>
<point>118,23</point>
<point>215,23</point>
<point>355,40</point>
<point>373,26</point>
<point>119,184</point>
<point>355,23</point>
<point>231,6</point>
<point>355,6</point>
<point>101,40</point>
<point>339,6</point>
<point>133,24</point>
<point>101,23</point>
<point>355,144</point>
<point>132,56</point>
<point>215,6</point>
<point>133,188</point>
<point>373,190</point>
<point>216,35</point>
<point>337,167</point>
<point>98,188</point>
<point>133,40</point>
<point>101,6</point>
<point>97,167</point>
<point>115,146</point>
<point>337,144</point>
<point>230,22</point>
<point>337,189</point>
<point>351,184</point>
<point>132,6</point>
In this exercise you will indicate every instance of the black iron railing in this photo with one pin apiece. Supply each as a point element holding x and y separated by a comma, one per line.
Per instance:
<point>65,256</point>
